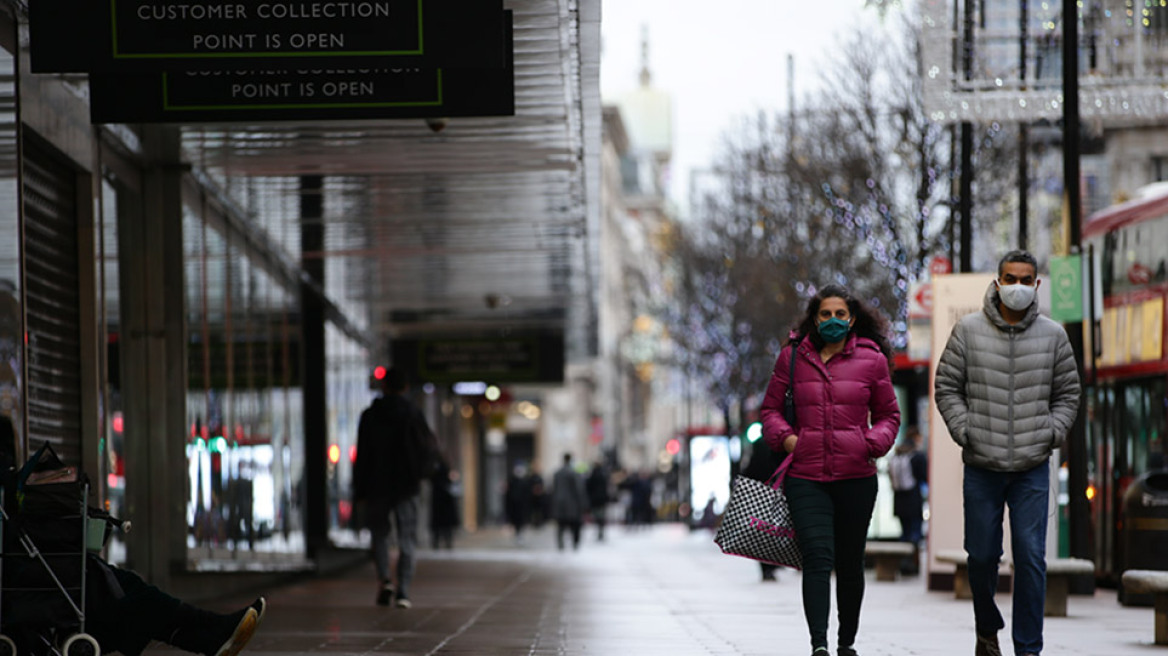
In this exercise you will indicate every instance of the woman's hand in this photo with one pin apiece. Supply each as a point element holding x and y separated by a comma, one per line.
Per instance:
<point>789,442</point>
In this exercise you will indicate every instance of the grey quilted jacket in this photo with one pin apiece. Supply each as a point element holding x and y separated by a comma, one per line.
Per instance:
<point>1008,393</point>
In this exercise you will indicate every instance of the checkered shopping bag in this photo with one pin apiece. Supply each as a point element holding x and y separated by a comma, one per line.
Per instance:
<point>757,523</point>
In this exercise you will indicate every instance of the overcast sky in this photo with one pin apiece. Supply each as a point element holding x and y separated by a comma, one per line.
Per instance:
<point>721,60</point>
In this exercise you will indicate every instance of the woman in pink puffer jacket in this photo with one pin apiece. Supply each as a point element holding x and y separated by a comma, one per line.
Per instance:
<point>846,416</point>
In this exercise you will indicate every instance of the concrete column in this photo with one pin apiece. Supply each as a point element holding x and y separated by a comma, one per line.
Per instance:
<point>154,362</point>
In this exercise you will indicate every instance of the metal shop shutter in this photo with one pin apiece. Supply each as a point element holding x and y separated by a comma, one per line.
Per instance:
<point>52,302</point>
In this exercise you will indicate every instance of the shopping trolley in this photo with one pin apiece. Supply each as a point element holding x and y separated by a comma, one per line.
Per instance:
<point>47,533</point>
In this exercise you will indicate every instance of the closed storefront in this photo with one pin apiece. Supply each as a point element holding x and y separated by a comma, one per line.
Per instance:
<point>52,303</point>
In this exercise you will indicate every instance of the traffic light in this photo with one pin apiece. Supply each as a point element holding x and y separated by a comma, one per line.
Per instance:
<point>376,376</point>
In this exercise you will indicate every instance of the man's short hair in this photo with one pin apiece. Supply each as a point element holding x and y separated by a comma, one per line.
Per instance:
<point>1017,256</point>
<point>394,381</point>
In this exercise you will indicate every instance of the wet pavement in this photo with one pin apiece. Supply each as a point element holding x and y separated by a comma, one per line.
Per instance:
<point>662,591</point>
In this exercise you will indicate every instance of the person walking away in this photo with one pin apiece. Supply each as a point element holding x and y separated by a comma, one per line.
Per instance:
<point>846,416</point>
<point>1007,387</point>
<point>642,498</point>
<point>762,464</point>
<point>598,497</point>
<point>517,501</point>
<point>568,502</point>
<point>443,507</point>
<point>908,470</point>
<point>396,451</point>
<point>539,498</point>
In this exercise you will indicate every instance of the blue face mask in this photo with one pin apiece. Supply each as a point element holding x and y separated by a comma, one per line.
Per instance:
<point>834,330</point>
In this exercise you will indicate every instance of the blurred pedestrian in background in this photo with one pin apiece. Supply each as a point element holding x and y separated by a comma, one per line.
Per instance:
<point>640,489</point>
<point>569,503</point>
<point>846,416</point>
<point>598,497</point>
<point>537,487</point>
<point>443,506</point>
<point>517,500</point>
<point>908,469</point>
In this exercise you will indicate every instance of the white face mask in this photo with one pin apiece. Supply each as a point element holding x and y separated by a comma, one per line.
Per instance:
<point>1017,297</point>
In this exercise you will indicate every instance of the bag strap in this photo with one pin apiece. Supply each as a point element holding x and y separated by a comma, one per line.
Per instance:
<point>794,351</point>
<point>789,396</point>
<point>776,479</point>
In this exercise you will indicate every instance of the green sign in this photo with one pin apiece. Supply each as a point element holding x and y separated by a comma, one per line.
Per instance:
<point>1066,288</point>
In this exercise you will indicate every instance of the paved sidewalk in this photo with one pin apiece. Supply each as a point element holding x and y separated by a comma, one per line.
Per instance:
<point>665,590</point>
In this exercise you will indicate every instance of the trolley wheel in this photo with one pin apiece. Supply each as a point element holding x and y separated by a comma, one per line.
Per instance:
<point>81,644</point>
<point>7,647</point>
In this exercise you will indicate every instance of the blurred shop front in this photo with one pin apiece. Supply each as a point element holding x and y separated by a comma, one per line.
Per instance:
<point>191,312</point>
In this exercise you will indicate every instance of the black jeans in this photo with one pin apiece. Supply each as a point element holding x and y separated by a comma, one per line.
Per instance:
<point>831,524</point>
<point>126,620</point>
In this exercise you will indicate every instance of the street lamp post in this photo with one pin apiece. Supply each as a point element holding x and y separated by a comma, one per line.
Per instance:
<point>1077,443</point>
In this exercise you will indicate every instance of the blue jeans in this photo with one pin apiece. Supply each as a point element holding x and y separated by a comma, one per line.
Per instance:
<point>1027,493</point>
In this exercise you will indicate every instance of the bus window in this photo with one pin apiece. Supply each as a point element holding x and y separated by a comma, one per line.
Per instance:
<point>1142,426</point>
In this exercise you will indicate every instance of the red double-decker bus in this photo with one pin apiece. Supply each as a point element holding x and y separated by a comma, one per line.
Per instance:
<point>1128,399</point>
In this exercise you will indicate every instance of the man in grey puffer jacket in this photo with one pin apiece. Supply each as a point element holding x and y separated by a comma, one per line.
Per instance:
<point>1007,386</point>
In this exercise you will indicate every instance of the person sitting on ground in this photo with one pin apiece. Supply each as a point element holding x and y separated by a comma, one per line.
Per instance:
<point>129,613</point>
<point>123,612</point>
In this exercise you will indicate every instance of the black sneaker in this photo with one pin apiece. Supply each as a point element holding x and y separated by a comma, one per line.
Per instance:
<point>847,651</point>
<point>820,651</point>
<point>385,595</point>
<point>987,645</point>
<point>244,629</point>
<point>404,602</point>
<point>260,605</point>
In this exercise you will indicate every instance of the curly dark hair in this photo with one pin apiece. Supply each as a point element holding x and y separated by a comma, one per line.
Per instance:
<point>870,322</point>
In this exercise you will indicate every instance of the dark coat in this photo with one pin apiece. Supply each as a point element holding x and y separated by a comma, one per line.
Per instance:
<point>395,451</point>
<point>569,503</point>
<point>518,500</point>
<point>597,487</point>
<point>443,506</point>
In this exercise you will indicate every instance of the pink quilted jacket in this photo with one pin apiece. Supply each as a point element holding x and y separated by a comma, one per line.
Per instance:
<point>846,412</point>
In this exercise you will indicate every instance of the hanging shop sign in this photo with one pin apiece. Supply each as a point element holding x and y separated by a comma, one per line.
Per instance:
<point>519,359</point>
<point>123,36</point>
<point>286,94</point>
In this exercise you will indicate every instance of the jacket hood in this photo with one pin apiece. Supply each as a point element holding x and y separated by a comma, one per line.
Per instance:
<point>992,308</point>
